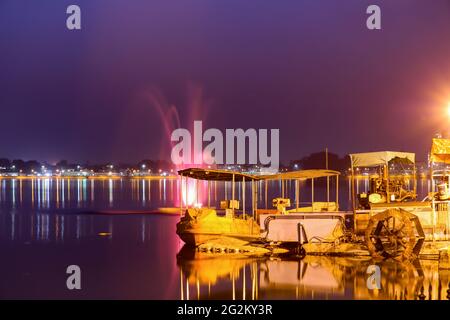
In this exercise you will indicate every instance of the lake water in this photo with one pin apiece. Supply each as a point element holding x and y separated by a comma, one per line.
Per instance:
<point>49,224</point>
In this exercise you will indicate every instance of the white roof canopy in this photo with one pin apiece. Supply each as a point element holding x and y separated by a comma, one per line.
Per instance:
<point>371,159</point>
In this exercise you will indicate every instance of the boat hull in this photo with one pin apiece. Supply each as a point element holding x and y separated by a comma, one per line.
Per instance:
<point>200,226</point>
<point>198,238</point>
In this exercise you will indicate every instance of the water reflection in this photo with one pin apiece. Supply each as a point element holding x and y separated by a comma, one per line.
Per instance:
<point>212,276</point>
<point>125,193</point>
<point>122,257</point>
<point>47,223</point>
<point>78,193</point>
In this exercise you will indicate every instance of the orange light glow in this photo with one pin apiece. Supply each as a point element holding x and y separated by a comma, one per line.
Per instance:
<point>103,234</point>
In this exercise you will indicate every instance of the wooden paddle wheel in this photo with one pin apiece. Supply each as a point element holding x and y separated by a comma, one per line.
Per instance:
<point>394,233</point>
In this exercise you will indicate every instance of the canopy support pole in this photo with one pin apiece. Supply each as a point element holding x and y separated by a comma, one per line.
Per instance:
<point>232,193</point>
<point>209,194</point>
<point>328,178</point>
<point>256,199</point>
<point>386,173</point>
<point>352,183</point>
<point>253,199</point>
<point>433,204</point>
<point>196,192</point>
<point>337,192</point>
<point>226,193</point>
<point>243,198</point>
<point>186,193</point>
<point>265,185</point>
<point>415,180</point>
<point>181,195</point>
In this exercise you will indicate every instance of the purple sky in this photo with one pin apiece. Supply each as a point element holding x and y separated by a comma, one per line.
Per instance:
<point>310,68</point>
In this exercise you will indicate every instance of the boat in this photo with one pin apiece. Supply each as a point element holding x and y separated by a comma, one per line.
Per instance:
<point>283,223</point>
<point>202,224</point>
<point>389,218</point>
<point>386,221</point>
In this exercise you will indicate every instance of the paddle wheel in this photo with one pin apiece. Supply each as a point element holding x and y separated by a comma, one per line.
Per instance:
<point>394,233</point>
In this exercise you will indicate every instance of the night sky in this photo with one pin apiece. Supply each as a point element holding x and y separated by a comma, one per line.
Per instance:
<point>310,68</point>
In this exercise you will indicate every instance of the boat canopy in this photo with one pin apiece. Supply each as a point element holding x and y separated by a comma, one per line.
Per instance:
<point>440,151</point>
<point>301,174</point>
<point>225,175</point>
<point>372,159</point>
<point>215,175</point>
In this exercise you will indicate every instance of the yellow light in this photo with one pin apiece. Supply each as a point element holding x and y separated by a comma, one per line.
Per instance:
<point>448,109</point>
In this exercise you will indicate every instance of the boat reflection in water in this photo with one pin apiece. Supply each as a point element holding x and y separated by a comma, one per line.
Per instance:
<point>229,276</point>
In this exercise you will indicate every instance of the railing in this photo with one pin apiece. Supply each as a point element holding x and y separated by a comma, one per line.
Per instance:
<point>440,220</point>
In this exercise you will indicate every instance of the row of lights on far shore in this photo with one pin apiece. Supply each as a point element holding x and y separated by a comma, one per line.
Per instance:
<point>45,172</point>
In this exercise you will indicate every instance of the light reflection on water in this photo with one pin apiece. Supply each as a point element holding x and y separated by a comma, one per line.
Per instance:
<point>47,224</point>
<point>52,193</point>
<point>204,276</point>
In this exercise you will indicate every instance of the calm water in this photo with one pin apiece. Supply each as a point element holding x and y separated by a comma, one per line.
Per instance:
<point>48,224</point>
